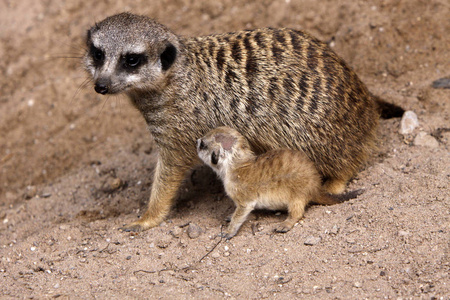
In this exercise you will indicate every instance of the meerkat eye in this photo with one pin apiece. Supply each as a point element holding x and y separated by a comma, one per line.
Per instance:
<point>97,55</point>
<point>202,145</point>
<point>214,158</point>
<point>132,61</point>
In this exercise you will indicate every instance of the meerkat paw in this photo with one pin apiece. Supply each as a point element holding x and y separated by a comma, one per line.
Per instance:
<point>227,235</point>
<point>283,227</point>
<point>137,226</point>
<point>228,218</point>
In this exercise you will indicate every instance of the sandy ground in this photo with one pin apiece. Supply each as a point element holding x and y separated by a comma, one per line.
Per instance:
<point>75,166</point>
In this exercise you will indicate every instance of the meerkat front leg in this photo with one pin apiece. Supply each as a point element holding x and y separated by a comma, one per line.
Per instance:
<point>239,216</point>
<point>167,180</point>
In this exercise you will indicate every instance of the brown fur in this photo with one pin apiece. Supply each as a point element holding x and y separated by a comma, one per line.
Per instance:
<point>277,179</point>
<point>281,88</point>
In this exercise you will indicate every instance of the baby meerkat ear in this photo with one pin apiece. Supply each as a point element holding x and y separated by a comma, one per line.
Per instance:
<point>168,56</point>
<point>227,141</point>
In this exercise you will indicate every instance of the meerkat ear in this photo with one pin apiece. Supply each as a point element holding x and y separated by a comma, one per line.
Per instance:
<point>226,141</point>
<point>214,158</point>
<point>168,56</point>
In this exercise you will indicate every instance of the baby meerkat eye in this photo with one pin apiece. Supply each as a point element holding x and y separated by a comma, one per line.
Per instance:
<point>214,158</point>
<point>202,145</point>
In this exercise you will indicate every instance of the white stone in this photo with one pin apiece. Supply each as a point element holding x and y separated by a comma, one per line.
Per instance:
<point>409,122</point>
<point>425,140</point>
<point>312,240</point>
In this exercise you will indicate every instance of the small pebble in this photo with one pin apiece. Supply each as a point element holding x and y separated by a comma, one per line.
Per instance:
<point>334,230</point>
<point>194,231</point>
<point>115,183</point>
<point>357,284</point>
<point>442,83</point>
<point>112,184</point>
<point>162,244</point>
<point>30,192</point>
<point>215,255</point>
<point>176,231</point>
<point>408,123</point>
<point>425,140</point>
<point>64,227</point>
<point>403,233</point>
<point>350,241</point>
<point>312,240</point>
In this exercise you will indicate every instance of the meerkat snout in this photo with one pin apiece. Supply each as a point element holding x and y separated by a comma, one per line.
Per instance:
<point>209,156</point>
<point>102,86</point>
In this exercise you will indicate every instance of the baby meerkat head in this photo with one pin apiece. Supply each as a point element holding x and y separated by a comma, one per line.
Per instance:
<point>127,52</point>
<point>220,147</point>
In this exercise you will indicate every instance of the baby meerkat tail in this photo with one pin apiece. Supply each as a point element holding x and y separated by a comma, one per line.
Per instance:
<point>328,199</point>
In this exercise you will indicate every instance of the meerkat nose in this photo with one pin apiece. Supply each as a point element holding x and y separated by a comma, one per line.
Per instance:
<point>101,88</point>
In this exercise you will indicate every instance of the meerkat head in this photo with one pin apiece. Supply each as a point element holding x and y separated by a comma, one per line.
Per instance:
<point>126,52</point>
<point>220,147</point>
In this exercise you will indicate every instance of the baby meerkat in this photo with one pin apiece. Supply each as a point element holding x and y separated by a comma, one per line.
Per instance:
<point>277,180</point>
<point>282,88</point>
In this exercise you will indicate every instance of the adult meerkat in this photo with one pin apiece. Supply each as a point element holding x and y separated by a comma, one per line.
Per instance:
<point>281,88</point>
<point>278,179</point>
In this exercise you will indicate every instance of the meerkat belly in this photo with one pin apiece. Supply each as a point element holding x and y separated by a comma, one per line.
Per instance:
<point>272,203</point>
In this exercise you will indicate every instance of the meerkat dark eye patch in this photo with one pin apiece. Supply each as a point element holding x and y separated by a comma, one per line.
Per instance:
<point>214,158</point>
<point>132,61</point>
<point>98,56</point>
<point>168,57</point>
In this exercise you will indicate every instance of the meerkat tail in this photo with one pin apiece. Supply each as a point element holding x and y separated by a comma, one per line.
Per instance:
<point>388,110</point>
<point>328,199</point>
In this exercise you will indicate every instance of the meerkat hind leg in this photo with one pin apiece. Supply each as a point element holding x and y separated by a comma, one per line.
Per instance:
<point>295,213</point>
<point>335,185</point>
